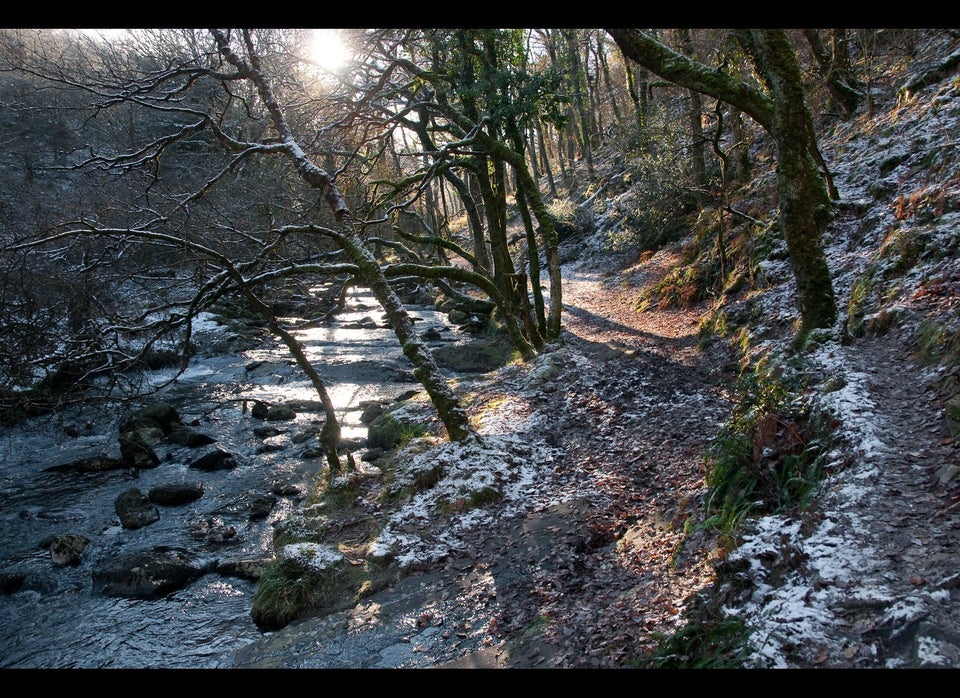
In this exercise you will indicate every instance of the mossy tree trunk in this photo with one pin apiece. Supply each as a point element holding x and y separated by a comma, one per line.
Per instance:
<point>425,368</point>
<point>801,189</point>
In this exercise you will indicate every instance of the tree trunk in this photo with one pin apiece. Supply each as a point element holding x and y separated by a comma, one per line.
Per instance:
<point>579,86</point>
<point>545,160</point>
<point>801,190</point>
<point>698,164</point>
<point>836,72</point>
<point>425,368</point>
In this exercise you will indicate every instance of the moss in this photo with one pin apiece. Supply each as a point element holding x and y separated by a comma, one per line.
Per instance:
<point>389,432</point>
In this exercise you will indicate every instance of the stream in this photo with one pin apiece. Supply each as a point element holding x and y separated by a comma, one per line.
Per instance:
<point>56,618</point>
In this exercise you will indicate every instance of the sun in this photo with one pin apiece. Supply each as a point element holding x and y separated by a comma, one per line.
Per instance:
<point>328,50</point>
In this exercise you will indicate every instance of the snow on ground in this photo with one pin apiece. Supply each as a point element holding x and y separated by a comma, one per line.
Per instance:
<point>507,462</point>
<point>877,164</point>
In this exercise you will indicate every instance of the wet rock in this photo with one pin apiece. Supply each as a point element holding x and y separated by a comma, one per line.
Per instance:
<point>244,569</point>
<point>213,530</point>
<point>185,436</point>
<point>146,574</point>
<point>11,582</point>
<point>136,448</point>
<point>432,335</point>
<point>135,510</point>
<point>93,464</point>
<point>159,415</point>
<point>305,435</point>
<point>261,506</point>
<point>280,413</point>
<point>286,489</point>
<point>266,432</point>
<point>66,548</point>
<point>367,323</point>
<point>173,494</point>
<point>215,460</point>
<point>259,410</point>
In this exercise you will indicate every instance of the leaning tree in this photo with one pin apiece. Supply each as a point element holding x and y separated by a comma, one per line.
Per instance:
<point>804,187</point>
<point>213,178</point>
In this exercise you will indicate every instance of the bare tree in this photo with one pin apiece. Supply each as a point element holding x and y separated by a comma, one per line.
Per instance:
<point>219,122</point>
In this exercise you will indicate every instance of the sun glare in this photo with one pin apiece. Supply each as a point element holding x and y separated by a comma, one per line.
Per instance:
<point>327,49</point>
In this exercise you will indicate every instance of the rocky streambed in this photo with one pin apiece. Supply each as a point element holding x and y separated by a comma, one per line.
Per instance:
<point>132,537</point>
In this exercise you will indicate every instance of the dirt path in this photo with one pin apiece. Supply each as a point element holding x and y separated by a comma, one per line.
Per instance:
<point>595,569</point>
<point>872,564</point>
<point>592,577</point>
<point>870,579</point>
<point>635,415</point>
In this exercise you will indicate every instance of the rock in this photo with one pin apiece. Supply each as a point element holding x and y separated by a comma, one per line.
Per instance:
<point>174,494</point>
<point>370,412</point>
<point>280,413</point>
<point>11,582</point>
<point>259,410</point>
<point>213,530</point>
<point>66,548</point>
<point>135,510</point>
<point>136,448</point>
<point>476,357</point>
<point>266,432</point>
<point>244,569</point>
<point>185,436</point>
<point>367,323</point>
<point>372,455</point>
<point>160,415</point>
<point>147,574</point>
<point>286,489</point>
<point>261,506</point>
<point>93,464</point>
<point>215,460</point>
<point>387,431</point>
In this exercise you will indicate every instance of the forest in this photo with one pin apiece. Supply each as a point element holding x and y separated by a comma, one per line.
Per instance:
<point>660,244</point>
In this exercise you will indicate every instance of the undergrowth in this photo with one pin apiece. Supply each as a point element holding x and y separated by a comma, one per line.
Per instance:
<point>769,455</point>
<point>708,640</point>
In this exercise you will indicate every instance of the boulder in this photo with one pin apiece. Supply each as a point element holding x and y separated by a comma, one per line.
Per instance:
<point>11,582</point>
<point>261,506</point>
<point>280,413</point>
<point>215,460</point>
<point>159,415</point>
<point>92,464</point>
<point>148,574</point>
<point>185,436</point>
<point>173,494</point>
<point>135,510</point>
<point>136,448</point>
<point>66,548</point>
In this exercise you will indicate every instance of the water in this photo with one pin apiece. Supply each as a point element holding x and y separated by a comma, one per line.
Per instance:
<point>57,620</point>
